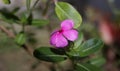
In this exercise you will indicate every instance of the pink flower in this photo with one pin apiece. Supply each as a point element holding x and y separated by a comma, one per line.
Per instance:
<point>60,37</point>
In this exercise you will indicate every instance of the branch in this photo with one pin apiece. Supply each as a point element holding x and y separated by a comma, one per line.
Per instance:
<point>9,33</point>
<point>12,35</point>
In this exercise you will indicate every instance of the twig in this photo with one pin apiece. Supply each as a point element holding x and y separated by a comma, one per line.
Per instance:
<point>9,33</point>
<point>45,11</point>
<point>34,4</point>
<point>12,35</point>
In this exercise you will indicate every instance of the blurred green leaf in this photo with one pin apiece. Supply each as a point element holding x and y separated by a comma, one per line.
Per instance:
<point>90,46</point>
<point>98,61</point>
<point>45,54</point>
<point>40,22</point>
<point>23,19</point>
<point>20,39</point>
<point>7,1</point>
<point>66,11</point>
<point>8,16</point>
<point>34,22</point>
<point>86,67</point>
<point>15,10</point>
<point>26,19</point>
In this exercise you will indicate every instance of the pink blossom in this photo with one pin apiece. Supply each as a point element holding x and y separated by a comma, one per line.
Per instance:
<point>60,37</point>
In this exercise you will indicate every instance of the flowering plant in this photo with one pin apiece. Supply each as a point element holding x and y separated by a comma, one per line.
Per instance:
<point>68,42</point>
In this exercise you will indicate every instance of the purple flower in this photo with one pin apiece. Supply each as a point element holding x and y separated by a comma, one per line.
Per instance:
<point>60,37</point>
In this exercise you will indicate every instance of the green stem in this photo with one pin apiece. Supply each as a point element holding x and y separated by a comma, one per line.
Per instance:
<point>28,3</point>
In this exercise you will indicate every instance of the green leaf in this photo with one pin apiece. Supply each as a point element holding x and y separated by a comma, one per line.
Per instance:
<point>15,10</point>
<point>58,51</point>
<point>7,1</point>
<point>90,46</point>
<point>20,39</point>
<point>78,42</point>
<point>86,67</point>
<point>40,22</point>
<point>34,22</point>
<point>98,61</point>
<point>8,16</point>
<point>87,48</point>
<point>45,54</point>
<point>66,11</point>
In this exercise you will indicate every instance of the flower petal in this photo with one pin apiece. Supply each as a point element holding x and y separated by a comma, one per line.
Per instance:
<point>71,34</point>
<point>58,40</point>
<point>67,24</point>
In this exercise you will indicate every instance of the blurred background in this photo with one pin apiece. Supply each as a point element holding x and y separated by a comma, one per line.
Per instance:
<point>101,19</point>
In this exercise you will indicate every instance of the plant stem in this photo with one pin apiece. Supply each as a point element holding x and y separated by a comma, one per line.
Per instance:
<point>28,3</point>
<point>46,9</point>
<point>34,4</point>
<point>10,34</point>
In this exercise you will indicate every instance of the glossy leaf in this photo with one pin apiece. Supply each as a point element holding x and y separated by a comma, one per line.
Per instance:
<point>66,11</point>
<point>90,46</point>
<point>7,1</point>
<point>73,53</point>
<point>20,39</point>
<point>45,54</point>
<point>87,48</point>
<point>40,22</point>
<point>86,67</point>
<point>78,42</point>
<point>58,51</point>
